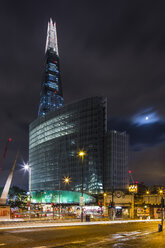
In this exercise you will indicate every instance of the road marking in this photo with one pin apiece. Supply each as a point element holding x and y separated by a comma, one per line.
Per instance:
<point>125,234</point>
<point>64,244</point>
<point>40,247</point>
<point>76,242</point>
<point>25,230</point>
<point>120,238</point>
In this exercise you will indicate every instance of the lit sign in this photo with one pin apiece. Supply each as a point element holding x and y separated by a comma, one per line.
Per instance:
<point>133,188</point>
<point>62,196</point>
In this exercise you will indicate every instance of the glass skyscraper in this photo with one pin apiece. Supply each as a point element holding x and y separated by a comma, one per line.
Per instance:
<point>57,137</point>
<point>61,131</point>
<point>51,96</point>
<point>116,161</point>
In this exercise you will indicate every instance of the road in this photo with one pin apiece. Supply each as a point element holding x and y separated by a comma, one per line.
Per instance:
<point>95,236</point>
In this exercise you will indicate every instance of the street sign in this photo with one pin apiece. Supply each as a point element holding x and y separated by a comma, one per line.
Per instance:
<point>81,201</point>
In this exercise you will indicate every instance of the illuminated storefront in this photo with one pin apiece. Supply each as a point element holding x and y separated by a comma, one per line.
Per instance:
<point>60,197</point>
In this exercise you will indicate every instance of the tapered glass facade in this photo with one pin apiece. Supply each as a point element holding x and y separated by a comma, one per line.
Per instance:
<point>55,140</point>
<point>51,96</point>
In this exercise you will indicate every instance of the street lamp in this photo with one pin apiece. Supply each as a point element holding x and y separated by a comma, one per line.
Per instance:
<point>104,198</point>
<point>160,191</point>
<point>66,180</point>
<point>104,202</point>
<point>147,192</point>
<point>81,154</point>
<point>28,168</point>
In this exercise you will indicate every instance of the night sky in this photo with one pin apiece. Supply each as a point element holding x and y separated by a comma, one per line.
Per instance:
<point>108,48</point>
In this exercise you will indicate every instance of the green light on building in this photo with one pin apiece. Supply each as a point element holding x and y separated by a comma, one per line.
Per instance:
<point>56,196</point>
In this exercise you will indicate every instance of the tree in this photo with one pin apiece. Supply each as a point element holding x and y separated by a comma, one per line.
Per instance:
<point>17,198</point>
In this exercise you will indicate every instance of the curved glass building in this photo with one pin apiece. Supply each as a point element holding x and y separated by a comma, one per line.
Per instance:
<point>55,140</point>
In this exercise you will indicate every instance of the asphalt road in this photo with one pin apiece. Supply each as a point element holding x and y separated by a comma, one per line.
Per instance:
<point>113,235</point>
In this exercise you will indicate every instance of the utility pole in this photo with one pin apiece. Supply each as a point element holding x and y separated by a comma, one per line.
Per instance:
<point>81,154</point>
<point>113,204</point>
<point>133,205</point>
<point>162,208</point>
<point>160,226</point>
<point>59,199</point>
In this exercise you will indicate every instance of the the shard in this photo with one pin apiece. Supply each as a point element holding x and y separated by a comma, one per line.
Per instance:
<point>51,96</point>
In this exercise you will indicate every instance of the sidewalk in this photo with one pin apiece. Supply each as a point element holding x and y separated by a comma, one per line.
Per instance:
<point>26,225</point>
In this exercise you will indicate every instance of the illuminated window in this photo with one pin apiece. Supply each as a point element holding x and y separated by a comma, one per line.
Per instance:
<point>52,67</point>
<point>52,77</point>
<point>52,85</point>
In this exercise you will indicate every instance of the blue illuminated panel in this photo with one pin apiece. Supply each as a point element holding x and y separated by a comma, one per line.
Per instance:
<point>51,91</point>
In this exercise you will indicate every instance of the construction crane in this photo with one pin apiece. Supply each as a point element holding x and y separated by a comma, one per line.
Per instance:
<point>131,180</point>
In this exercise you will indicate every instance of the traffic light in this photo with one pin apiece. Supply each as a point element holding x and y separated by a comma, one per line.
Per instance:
<point>110,205</point>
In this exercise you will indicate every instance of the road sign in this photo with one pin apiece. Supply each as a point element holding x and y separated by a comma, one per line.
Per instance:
<point>81,201</point>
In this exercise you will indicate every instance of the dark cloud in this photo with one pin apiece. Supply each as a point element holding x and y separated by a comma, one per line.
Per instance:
<point>110,48</point>
<point>148,165</point>
<point>140,136</point>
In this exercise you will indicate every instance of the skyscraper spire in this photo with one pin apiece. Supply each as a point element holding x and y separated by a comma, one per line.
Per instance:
<point>51,41</point>
<point>51,90</point>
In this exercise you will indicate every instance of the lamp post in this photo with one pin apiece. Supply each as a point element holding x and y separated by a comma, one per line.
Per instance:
<point>162,207</point>
<point>59,190</point>
<point>81,154</point>
<point>28,168</point>
<point>66,180</point>
<point>104,204</point>
<point>133,189</point>
<point>104,198</point>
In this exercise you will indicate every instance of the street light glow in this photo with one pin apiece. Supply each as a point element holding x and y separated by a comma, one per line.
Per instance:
<point>26,167</point>
<point>160,191</point>
<point>67,180</point>
<point>81,153</point>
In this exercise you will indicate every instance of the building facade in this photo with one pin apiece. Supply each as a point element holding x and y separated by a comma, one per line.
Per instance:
<point>61,131</point>
<point>116,161</point>
<point>55,140</point>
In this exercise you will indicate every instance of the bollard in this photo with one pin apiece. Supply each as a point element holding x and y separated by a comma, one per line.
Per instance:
<point>159,228</point>
<point>88,218</point>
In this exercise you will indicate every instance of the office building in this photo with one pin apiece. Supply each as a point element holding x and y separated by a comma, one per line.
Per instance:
<point>116,161</point>
<point>61,131</point>
<point>57,137</point>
